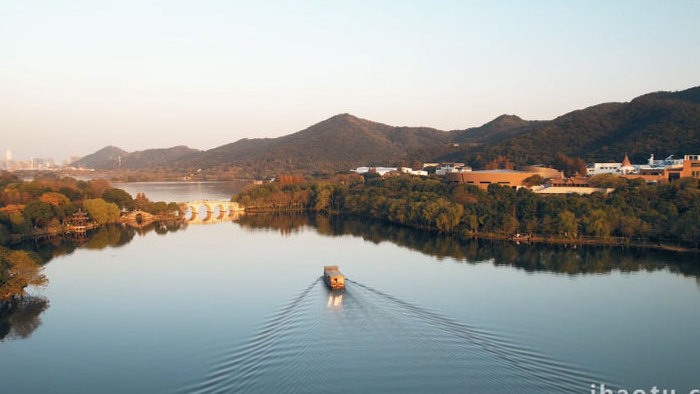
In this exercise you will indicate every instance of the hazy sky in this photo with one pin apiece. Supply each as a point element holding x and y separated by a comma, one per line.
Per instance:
<point>76,75</point>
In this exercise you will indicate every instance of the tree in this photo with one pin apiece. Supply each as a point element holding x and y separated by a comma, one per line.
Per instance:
<point>17,271</point>
<point>567,224</point>
<point>570,166</point>
<point>119,197</point>
<point>320,195</point>
<point>607,180</point>
<point>501,162</point>
<point>533,180</point>
<point>96,187</point>
<point>143,203</point>
<point>72,194</point>
<point>102,211</point>
<point>597,223</point>
<point>173,207</point>
<point>55,199</point>
<point>160,207</point>
<point>60,204</point>
<point>38,212</point>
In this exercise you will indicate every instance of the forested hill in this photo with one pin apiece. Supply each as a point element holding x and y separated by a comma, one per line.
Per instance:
<point>662,123</point>
<point>499,129</point>
<point>111,157</point>
<point>338,143</point>
<point>105,158</point>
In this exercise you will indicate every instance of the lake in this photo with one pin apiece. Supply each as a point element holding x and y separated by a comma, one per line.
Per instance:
<point>239,306</point>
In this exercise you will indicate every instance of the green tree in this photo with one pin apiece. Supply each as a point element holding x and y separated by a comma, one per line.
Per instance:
<point>173,207</point>
<point>597,224</point>
<point>72,194</point>
<point>160,207</point>
<point>119,197</point>
<point>38,212</point>
<point>102,211</point>
<point>321,195</point>
<point>533,180</point>
<point>567,224</point>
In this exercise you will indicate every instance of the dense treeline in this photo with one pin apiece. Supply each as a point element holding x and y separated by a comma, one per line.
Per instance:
<point>634,211</point>
<point>45,204</point>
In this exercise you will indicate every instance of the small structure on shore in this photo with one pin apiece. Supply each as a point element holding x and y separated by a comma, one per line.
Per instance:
<point>77,224</point>
<point>333,278</point>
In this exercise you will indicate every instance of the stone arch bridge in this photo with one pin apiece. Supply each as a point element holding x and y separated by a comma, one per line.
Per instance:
<point>227,211</point>
<point>138,219</point>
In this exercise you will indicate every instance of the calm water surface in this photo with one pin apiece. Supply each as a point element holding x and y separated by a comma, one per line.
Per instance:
<point>239,307</point>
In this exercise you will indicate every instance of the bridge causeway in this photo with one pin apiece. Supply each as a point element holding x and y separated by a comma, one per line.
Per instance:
<point>228,210</point>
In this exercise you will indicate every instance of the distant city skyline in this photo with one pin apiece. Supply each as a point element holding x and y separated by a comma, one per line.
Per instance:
<point>77,77</point>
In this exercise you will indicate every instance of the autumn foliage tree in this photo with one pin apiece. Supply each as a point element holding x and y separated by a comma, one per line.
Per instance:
<point>570,166</point>
<point>17,271</point>
<point>500,162</point>
<point>286,179</point>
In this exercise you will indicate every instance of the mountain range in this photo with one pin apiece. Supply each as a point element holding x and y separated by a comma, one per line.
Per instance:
<point>661,123</point>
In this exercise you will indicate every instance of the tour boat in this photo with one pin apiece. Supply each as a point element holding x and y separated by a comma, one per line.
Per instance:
<point>333,278</point>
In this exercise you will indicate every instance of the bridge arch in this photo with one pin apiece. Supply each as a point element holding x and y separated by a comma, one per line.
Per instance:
<point>227,210</point>
<point>139,218</point>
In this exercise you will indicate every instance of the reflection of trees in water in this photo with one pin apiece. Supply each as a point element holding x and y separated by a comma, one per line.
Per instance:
<point>536,257</point>
<point>109,236</point>
<point>20,316</point>
<point>106,236</point>
<point>286,223</point>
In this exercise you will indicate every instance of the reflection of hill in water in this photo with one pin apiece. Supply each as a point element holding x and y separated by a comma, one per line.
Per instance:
<point>535,257</point>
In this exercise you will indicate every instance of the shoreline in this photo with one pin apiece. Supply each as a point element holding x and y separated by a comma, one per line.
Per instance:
<point>614,242</point>
<point>539,239</point>
<point>66,232</point>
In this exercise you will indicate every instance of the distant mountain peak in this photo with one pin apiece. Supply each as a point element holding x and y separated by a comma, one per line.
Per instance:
<point>505,121</point>
<point>691,95</point>
<point>111,157</point>
<point>345,118</point>
<point>112,149</point>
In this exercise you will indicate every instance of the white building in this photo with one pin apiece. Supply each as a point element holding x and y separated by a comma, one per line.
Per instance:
<point>623,168</point>
<point>384,170</point>
<point>378,170</point>
<point>409,170</point>
<point>626,168</point>
<point>449,168</point>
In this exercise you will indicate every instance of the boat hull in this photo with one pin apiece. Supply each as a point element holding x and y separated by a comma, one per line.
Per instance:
<point>333,278</point>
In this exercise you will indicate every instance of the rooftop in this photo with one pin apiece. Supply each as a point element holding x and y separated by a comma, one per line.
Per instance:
<point>500,172</point>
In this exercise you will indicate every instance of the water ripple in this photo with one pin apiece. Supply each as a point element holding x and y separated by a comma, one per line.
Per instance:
<point>364,340</point>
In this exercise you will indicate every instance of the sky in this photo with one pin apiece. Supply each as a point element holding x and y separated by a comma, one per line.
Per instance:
<point>77,75</point>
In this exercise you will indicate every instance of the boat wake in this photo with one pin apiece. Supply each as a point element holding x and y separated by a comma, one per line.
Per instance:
<point>364,340</point>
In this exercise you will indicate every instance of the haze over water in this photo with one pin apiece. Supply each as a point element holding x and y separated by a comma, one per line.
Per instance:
<point>239,307</point>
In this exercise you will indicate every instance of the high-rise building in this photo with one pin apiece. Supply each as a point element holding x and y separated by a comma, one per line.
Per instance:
<point>8,155</point>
